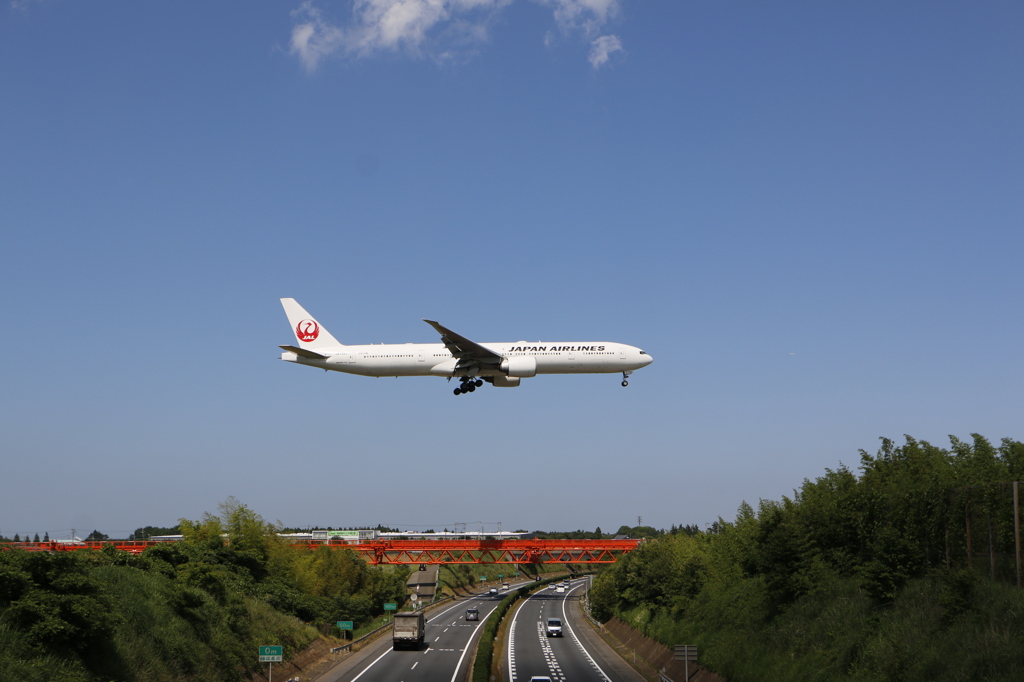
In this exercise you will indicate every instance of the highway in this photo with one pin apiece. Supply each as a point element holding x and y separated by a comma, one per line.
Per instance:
<point>578,656</point>
<point>443,658</point>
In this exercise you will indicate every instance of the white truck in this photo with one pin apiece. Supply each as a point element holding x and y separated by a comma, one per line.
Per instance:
<point>409,630</point>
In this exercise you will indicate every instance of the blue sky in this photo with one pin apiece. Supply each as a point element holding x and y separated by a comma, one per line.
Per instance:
<point>810,214</point>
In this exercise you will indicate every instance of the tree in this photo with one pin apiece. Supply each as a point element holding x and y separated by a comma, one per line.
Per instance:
<point>96,536</point>
<point>246,530</point>
<point>207,530</point>
<point>147,532</point>
<point>604,596</point>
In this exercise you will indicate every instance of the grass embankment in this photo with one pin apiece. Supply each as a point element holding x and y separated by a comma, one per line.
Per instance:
<point>929,633</point>
<point>367,628</point>
<point>76,618</point>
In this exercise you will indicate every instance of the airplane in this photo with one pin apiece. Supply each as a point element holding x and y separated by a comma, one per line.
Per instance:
<point>499,364</point>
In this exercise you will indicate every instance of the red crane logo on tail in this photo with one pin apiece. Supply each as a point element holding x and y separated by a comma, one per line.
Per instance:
<point>307,330</point>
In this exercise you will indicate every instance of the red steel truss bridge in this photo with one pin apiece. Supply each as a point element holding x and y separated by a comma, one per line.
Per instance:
<point>379,552</point>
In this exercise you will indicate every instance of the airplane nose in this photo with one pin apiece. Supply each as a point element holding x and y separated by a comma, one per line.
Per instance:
<point>646,359</point>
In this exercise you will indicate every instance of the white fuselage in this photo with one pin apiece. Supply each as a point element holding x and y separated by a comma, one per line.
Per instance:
<point>433,359</point>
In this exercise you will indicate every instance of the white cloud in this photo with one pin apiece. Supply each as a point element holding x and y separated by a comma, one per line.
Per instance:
<point>390,24</point>
<point>418,27</point>
<point>438,29</point>
<point>314,39</point>
<point>586,15</point>
<point>23,5</point>
<point>601,48</point>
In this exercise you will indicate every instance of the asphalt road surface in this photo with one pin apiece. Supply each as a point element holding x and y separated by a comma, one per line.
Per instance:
<point>579,655</point>
<point>443,658</point>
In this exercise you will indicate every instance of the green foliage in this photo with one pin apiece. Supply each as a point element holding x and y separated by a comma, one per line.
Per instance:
<point>957,591</point>
<point>207,531</point>
<point>146,532</point>
<point>604,596</point>
<point>894,559</point>
<point>661,573</point>
<point>176,630</point>
<point>54,600</point>
<point>640,531</point>
<point>193,610</point>
<point>246,530</point>
<point>326,571</point>
<point>19,662</point>
<point>569,535</point>
<point>847,580</point>
<point>57,609</point>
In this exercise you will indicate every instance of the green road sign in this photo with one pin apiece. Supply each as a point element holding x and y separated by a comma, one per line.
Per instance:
<point>271,654</point>
<point>344,625</point>
<point>391,606</point>
<point>501,575</point>
<point>483,578</point>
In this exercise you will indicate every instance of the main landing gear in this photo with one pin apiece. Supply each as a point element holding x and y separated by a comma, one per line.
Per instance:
<point>468,386</point>
<point>625,375</point>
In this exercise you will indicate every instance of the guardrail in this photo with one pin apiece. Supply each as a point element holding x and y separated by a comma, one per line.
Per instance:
<point>344,647</point>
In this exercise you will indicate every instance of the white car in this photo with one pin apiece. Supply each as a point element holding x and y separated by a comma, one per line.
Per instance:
<point>554,627</point>
<point>559,589</point>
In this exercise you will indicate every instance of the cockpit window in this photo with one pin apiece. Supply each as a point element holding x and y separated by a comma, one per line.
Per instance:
<point>642,353</point>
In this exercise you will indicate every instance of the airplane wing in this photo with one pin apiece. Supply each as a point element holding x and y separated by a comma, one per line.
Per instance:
<point>463,349</point>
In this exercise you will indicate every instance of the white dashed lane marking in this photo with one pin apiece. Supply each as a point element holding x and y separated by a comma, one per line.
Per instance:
<point>549,654</point>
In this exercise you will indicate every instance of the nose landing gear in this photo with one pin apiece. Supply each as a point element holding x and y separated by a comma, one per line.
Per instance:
<point>625,375</point>
<point>468,386</point>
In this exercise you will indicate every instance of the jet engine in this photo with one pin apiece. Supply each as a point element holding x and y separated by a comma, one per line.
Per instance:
<point>520,366</point>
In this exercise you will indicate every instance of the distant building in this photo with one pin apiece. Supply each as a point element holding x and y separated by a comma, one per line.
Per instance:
<point>354,537</point>
<point>450,535</point>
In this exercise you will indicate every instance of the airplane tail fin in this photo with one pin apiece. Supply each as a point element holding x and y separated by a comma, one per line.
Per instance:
<point>308,332</point>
